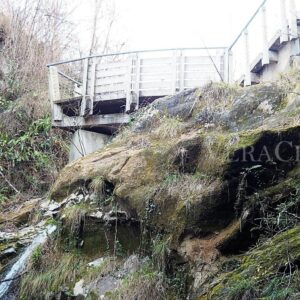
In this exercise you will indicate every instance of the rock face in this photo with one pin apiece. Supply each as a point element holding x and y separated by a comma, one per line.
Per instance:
<point>205,174</point>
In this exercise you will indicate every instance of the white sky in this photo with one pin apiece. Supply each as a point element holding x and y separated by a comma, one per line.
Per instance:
<point>150,24</point>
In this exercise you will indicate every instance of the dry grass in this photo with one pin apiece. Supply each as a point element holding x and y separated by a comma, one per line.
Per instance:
<point>74,217</point>
<point>216,96</point>
<point>57,271</point>
<point>187,187</point>
<point>168,128</point>
<point>142,285</point>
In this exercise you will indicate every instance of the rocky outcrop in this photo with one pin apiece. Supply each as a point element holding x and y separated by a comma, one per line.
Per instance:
<point>198,172</point>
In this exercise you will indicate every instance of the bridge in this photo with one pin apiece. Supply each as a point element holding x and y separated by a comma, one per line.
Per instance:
<point>98,93</point>
<point>114,84</point>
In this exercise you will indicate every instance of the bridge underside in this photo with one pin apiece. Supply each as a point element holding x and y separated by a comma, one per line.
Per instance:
<point>107,115</point>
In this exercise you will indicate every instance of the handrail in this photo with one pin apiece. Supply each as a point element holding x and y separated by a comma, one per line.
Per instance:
<point>133,52</point>
<point>247,25</point>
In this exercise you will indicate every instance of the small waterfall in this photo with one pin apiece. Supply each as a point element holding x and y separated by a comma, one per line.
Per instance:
<point>20,264</point>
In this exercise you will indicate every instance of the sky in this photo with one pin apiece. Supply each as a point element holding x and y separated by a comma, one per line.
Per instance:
<point>153,24</point>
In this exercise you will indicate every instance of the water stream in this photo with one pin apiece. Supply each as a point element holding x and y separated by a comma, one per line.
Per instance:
<point>20,264</point>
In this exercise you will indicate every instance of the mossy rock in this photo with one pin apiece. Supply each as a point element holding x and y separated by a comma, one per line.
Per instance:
<point>260,264</point>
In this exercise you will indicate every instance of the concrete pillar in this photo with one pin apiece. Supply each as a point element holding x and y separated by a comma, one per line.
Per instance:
<point>85,142</point>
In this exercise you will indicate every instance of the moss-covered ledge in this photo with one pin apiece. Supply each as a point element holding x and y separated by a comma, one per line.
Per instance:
<point>260,268</point>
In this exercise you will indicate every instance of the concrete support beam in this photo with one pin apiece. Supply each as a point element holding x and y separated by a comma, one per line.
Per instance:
<point>93,121</point>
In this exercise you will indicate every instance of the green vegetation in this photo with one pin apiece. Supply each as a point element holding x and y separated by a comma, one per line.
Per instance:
<point>52,276</point>
<point>147,279</point>
<point>34,153</point>
<point>36,257</point>
<point>270,270</point>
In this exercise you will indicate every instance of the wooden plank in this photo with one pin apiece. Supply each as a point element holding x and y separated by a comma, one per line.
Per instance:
<point>201,76</point>
<point>158,85</point>
<point>200,59</point>
<point>200,68</point>
<point>84,87</point>
<point>157,80</point>
<point>156,61</point>
<point>111,88</point>
<point>113,65</point>
<point>111,72</point>
<point>155,93</point>
<point>54,93</point>
<point>155,69</point>
<point>110,80</point>
<point>111,96</point>
<point>153,76</point>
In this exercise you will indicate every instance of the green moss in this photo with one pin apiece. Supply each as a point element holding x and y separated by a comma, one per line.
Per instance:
<point>259,265</point>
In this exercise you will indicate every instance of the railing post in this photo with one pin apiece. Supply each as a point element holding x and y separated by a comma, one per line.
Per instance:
<point>93,86</point>
<point>54,94</point>
<point>137,80</point>
<point>266,57</point>
<point>128,82</point>
<point>226,65</point>
<point>83,108</point>
<point>284,37</point>
<point>247,80</point>
<point>174,73</point>
<point>181,70</point>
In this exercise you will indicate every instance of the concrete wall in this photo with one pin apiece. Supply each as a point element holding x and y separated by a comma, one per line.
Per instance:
<point>85,142</point>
